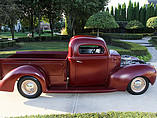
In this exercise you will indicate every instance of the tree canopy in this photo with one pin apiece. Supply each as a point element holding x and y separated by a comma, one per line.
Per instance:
<point>77,11</point>
<point>101,20</point>
<point>10,13</point>
<point>152,22</point>
<point>134,25</point>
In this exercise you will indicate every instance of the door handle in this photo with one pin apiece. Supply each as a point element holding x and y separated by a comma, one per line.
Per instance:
<point>79,62</point>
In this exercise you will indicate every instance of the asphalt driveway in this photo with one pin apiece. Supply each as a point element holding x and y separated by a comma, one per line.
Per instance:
<point>13,104</point>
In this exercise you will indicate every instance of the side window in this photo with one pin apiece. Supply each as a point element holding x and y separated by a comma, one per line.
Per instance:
<point>91,49</point>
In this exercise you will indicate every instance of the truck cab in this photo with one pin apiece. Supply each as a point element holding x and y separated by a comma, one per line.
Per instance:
<point>90,61</point>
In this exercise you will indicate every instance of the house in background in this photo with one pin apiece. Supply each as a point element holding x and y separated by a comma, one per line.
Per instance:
<point>44,26</point>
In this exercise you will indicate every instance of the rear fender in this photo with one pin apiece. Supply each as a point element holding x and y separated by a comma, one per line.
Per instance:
<point>8,82</point>
<point>120,78</point>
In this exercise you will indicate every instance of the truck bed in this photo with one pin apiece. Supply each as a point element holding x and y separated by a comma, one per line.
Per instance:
<point>52,63</point>
<point>41,54</point>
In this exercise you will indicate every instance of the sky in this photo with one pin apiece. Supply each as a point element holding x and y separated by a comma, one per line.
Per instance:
<point>115,2</point>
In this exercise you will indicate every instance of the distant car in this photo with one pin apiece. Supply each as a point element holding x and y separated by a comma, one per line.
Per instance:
<point>87,67</point>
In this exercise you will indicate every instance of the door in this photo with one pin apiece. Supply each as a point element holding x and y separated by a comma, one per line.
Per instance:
<point>91,65</point>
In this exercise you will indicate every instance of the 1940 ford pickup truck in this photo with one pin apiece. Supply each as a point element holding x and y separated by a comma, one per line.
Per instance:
<point>87,67</point>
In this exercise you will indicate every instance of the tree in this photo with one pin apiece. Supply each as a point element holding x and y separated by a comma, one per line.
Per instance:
<point>152,23</point>
<point>10,13</point>
<point>137,11</point>
<point>123,12</point>
<point>119,18</point>
<point>152,11</point>
<point>130,11</point>
<point>107,9</point>
<point>81,10</point>
<point>148,12</point>
<point>112,11</point>
<point>29,10</point>
<point>101,20</point>
<point>116,14</point>
<point>134,25</point>
<point>52,12</point>
<point>134,11</point>
<point>156,10</point>
<point>142,18</point>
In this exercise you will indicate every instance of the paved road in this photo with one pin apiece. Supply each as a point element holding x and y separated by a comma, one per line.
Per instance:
<point>13,104</point>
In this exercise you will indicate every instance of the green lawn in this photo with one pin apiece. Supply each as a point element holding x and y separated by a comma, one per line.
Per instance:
<point>19,34</point>
<point>41,46</point>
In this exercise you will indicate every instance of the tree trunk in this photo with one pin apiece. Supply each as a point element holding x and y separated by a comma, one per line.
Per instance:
<point>32,25</point>
<point>12,30</point>
<point>98,32</point>
<point>39,22</point>
<point>51,21</point>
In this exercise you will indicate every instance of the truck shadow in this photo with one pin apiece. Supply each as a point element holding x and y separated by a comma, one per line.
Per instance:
<point>51,101</point>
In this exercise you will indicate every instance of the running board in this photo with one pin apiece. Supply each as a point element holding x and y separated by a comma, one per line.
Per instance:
<point>96,89</point>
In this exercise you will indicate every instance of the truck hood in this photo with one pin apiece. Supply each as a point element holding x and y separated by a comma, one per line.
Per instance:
<point>114,53</point>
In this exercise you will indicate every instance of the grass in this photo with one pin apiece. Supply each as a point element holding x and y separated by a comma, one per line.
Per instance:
<point>19,34</point>
<point>41,46</point>
<point>111,114</point>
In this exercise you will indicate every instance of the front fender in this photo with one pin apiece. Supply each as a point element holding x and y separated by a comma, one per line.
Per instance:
<point>120,78</point>
<point>8,82</point>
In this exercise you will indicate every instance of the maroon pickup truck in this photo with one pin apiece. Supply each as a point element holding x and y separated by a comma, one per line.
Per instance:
<point>87,67</point>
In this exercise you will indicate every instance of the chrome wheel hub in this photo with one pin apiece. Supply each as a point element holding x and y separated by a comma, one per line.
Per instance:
<point>29,87</point>
<point>138,84</point>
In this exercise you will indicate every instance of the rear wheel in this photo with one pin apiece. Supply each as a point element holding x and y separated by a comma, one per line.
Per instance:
<point>138,86</point>
<point>29,87</point>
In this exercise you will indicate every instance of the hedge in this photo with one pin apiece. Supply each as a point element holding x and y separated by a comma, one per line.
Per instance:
<point>125,36</point>
<point>43,38</point>
<point>130,48</point>
<point>154,40</point>
<point>7,43</point>
<point>110,114</point>
<point>118,36</point>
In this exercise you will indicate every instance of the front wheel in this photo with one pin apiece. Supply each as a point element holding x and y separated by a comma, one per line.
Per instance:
<point>138,86</point>
<point>29,87</point>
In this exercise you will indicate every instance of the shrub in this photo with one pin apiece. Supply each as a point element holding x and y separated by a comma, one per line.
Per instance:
<point>152,22</point>
<point>154,40</point>
<point>47,31</point>
<point>7,43</point>
<point>134,25</point>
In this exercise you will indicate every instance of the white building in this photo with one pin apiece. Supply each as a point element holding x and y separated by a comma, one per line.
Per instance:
<point>18,26</point>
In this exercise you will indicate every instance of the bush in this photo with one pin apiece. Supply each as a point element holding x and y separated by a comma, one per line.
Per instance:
<point>7,43</point>
<point>47,31</point>
<point>152,22</point>
<point>154,40</point>
<point>134,25</point>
